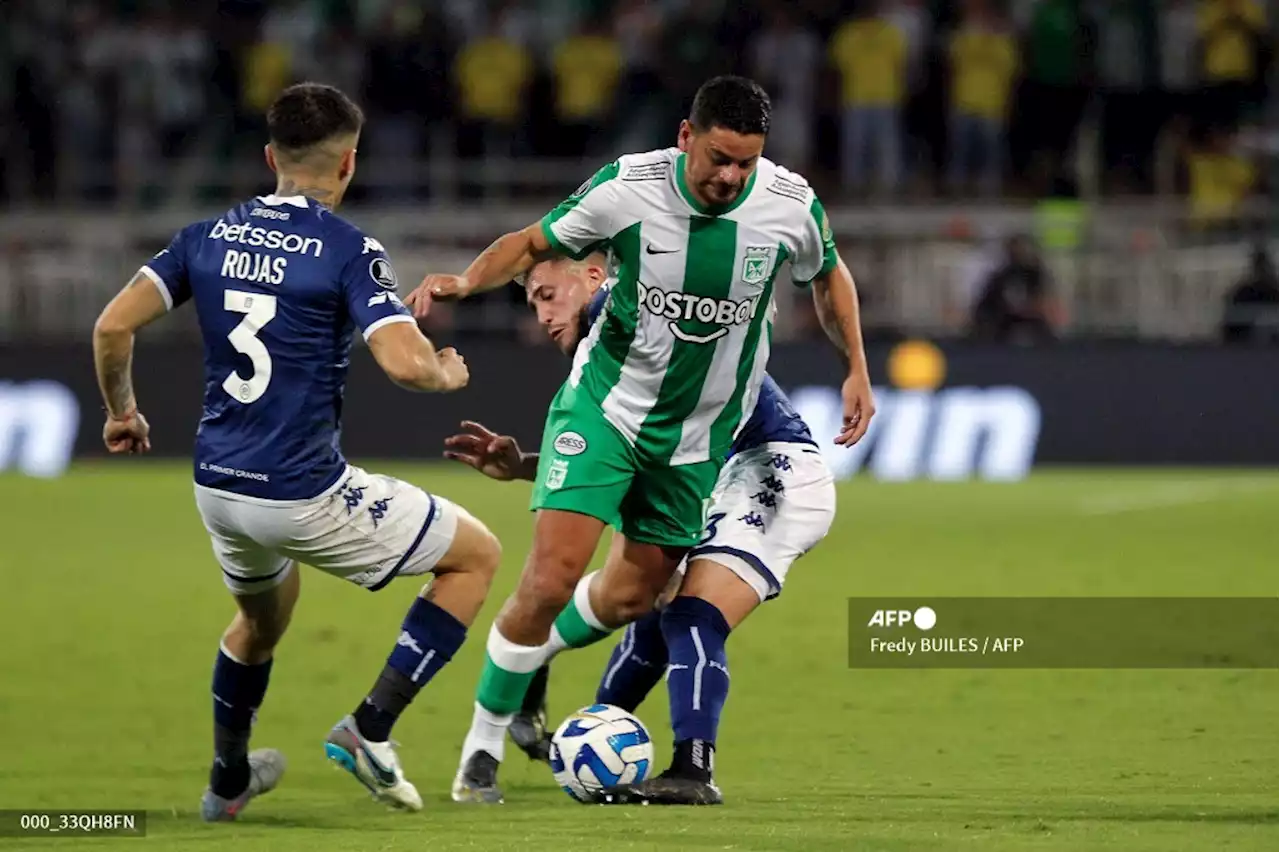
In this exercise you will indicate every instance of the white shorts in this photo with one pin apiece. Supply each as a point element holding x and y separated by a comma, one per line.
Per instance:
<point>368,529</point>
<point>771,504</point>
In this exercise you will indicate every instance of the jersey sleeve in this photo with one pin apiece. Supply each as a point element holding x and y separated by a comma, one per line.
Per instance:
<point>583,221</point>
<point>596,305</point>
<point>369,287</point>
<point>168,271</point>
<point>816,249</point>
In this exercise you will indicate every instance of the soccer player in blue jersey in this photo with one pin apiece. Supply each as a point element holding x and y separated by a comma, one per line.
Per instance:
<point>773,501</point>
<point>279,285</point>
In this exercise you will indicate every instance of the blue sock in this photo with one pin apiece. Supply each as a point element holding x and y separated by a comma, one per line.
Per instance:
<point>636,665</point>
<point>238,691</point>
<point>697,680</point>
<point>428,639</point>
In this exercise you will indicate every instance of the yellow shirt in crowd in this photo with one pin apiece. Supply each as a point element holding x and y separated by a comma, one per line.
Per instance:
<point>1219,183</point>
<point>983,68</point>
<point>587,69</point>
<point>1228,29</point>
<point>871,54</point>
<point>492,74</point>
<point>268,68</point>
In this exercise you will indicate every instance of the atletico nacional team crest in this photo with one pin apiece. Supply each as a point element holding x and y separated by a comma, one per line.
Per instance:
<point>755,264</point>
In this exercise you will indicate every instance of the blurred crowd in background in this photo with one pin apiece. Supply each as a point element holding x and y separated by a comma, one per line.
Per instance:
<point>1044,121</point>
<point>900,99</point>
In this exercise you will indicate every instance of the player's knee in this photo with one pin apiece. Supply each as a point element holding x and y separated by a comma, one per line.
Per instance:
<point>258,633</point>
<point>475,550</point>
<point>625,602</point>
<point>488,556</point>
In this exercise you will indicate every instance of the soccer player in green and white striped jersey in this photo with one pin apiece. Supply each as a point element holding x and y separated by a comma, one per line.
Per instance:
<point>636,436</point>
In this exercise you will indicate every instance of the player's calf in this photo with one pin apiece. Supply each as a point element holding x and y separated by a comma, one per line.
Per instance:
<point>713,600</point>
<point>518,645</point>
<point>636,665</point>
<point>241,673</point>
<point>430,634</point>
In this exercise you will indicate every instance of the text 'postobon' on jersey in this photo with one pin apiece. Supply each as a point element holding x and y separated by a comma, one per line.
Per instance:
<point>676,360</point>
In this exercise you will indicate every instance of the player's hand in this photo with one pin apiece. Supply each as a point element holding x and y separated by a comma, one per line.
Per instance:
<point>496,456</point>
<point>858,408</point>
<point>453,368</point>
<point>127,434</point>
<point>436,287</point>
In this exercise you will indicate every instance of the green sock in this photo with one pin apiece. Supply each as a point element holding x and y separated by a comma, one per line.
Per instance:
<point>508,668</point>
<point>577,624</point>
<point>501,691</point>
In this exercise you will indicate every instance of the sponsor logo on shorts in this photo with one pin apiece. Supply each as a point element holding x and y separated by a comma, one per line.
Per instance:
<point>570,444</point>
<point>556,474</point>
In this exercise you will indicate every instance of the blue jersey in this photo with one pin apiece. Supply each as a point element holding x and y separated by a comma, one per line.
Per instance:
<point>773,420</point>
<point>279,285</point>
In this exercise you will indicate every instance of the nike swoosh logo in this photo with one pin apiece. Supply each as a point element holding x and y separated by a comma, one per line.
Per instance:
<point>649,249</point>
<point>385,776</point>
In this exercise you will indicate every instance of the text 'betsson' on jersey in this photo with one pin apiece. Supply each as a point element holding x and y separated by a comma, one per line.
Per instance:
<point>677,361</point>
<point>279,284</point>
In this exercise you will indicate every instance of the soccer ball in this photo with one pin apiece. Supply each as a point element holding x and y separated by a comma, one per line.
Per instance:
<point>600,746</point>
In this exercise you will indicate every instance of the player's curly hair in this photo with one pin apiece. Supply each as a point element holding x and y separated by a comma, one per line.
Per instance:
<point>308,114</point>
<point>734,103</point>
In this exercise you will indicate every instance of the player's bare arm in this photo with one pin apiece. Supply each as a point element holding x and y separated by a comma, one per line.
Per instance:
<point>505,260</point>
<point>411,361</point>
<point>139,303</point>
<point>496,456</point>
<point>835,296</point>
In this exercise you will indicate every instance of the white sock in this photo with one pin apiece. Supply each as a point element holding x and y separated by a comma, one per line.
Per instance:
<point>582,601</point>
<point>488,733</point>
<point>555,644</point>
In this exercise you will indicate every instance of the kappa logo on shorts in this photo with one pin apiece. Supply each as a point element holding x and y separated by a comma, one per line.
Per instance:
<point>556,474</point>
<point>570,444</point>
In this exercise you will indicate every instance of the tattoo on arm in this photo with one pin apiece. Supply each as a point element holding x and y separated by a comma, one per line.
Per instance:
<point>116,375</point>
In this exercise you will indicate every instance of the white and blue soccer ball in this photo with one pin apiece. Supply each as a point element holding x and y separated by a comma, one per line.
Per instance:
<point>600,746</point>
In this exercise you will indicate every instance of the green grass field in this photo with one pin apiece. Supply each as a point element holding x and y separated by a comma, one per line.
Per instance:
<point>112,607</point>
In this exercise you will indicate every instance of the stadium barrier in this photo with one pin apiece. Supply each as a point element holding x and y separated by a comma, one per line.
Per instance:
<point>949,412</point>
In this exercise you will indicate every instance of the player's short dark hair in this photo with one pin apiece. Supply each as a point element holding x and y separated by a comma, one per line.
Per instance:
<point>307,114</point>
<point>734,103</point>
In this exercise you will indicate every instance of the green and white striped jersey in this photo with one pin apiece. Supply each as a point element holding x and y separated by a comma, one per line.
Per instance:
<point>676,358</point>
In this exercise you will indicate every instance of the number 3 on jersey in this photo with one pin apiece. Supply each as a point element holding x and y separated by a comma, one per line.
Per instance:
<point>258,310</point>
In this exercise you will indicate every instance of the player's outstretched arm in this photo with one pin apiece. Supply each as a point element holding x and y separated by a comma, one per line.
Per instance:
<point>408,358</point>
<point>139,303</point>
<point>836,299</point>
<point>496,456</point>
<point>505,260</point>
